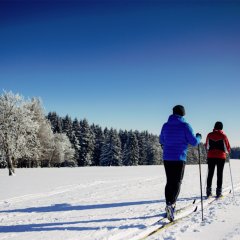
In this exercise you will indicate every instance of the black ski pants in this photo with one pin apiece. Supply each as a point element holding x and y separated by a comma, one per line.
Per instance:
<point>174,174</point>
<point>212,162</point>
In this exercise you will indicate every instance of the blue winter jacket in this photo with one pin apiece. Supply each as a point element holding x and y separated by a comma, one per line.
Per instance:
<point>175,136</point>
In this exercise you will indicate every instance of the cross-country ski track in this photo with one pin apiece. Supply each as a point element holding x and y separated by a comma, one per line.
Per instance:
<point>112,203</point>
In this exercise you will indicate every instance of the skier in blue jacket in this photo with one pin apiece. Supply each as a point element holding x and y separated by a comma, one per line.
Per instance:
<point>175,136</point>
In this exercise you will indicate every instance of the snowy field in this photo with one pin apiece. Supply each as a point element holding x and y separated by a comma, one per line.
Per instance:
<point>115,203</point>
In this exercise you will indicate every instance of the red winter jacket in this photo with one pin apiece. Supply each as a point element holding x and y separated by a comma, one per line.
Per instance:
<point>217,144</point>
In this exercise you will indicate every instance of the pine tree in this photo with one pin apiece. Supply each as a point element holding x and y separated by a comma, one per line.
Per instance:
<point>131,150</point>
<point>192,157</point>
<point>76,138</point>
<point>99,140</point>
<point>123,137</point>
<point>86,142</point>
<point>106,132</point>
<point>143,149</point>
<point>56,122</point>
<point>67,126</point>
<point>154,155</point>
<point>111,154</point>
<point>154,150</point>
<point>203,153</point>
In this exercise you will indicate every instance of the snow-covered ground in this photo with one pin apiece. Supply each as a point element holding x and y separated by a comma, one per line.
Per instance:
<point>115,203</point>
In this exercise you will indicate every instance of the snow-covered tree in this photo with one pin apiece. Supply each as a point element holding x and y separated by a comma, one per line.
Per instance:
<point>18,130</point>
<point>106,133</point>
<point>131,150</point>
<point>67,126</point>
<point>154,150</point>
<point>86,143</point>
<point>143,149</point>
<point>99,140</point>
<point>75,138</point>
<point>63,151</point>
<point>193,156</point>
<point>72,130</point>
<point>123,137</point>
<point>56,122</point>
<point>154,154</point>
<point>45,133</point>
<point>111,154</point>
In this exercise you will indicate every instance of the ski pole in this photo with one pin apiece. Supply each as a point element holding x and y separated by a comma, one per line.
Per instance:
<point>200,174</point>
<point>231,176</point>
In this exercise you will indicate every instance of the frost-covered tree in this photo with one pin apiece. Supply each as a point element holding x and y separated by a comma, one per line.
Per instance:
<point>56,122</point>
<point>98,140</point>
<point>63,153</point>
<point>45,133</point>
<point>143,149</point>
<point>72,131</point>
<point>3,163</point>
<point>18,130</point>
<point>67,126</point>
<point>106,132</point>
<point>111,154</point>
<point>131,150</point>
<point>86,143</point>
<point>203,153</point>
<point>192,156</point>
<point>123,137</point>
<point>154,150</point>
<point>76,138</point>
<point>154,154</point>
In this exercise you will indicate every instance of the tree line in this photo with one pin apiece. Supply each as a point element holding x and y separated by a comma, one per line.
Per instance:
<point>95,146</point>
<point>235,153</point>
<point>28,138</point>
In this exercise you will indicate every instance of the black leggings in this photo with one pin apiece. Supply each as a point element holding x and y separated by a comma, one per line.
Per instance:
<point>212,162</point>
<point>174,173</point>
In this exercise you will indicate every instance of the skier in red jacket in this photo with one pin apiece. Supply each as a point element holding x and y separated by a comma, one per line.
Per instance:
<point>217,146</point>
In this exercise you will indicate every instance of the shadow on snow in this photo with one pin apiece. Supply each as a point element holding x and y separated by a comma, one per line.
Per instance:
<point>60,226</point>
<point>69,207</point>
<point>68,226</point>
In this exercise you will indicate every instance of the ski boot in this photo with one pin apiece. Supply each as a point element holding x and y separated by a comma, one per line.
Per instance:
<point>170,209</point>
<point>219,193</point>
<point>209,192</point>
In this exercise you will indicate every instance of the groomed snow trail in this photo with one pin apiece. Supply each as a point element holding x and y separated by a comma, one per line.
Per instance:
<point>115,203</point>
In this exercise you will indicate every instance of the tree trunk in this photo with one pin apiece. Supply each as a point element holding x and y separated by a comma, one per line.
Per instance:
<point>10,165</point>
<point>8,158</point>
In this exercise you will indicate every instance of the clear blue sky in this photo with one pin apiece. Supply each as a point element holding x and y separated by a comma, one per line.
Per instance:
<point>125,64</point>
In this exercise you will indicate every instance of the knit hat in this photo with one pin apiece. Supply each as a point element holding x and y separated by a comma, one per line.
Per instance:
<point>179,110</point>
<point>218,126</point>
